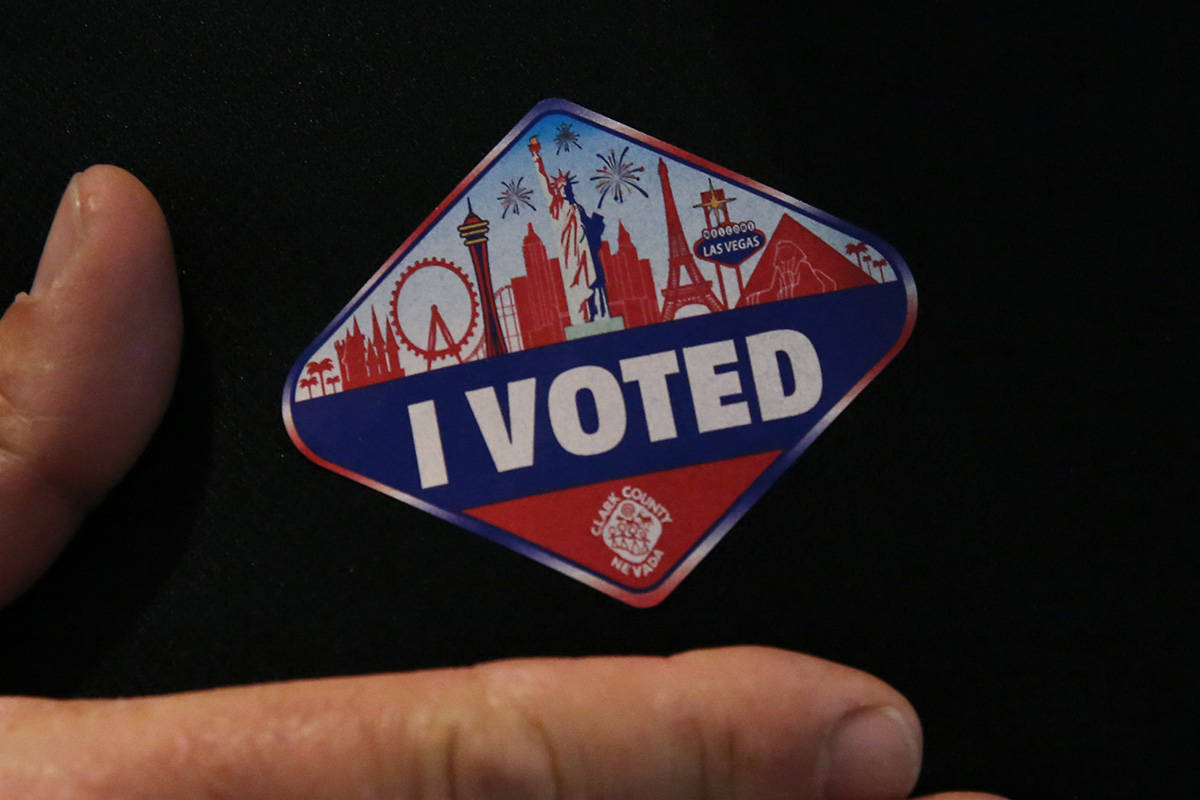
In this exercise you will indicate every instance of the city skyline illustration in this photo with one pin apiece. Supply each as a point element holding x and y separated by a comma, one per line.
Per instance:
<point>428,310</point>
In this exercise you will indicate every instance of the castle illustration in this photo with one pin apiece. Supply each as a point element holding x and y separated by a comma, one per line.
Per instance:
<point>363,361</point>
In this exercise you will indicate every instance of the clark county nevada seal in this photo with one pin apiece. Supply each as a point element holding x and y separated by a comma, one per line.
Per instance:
<point>631,525</point>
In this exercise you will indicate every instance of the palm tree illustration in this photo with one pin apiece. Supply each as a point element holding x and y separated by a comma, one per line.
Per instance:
<point>334,380</point>
<point>308,383</point>
<point>319,368</point>
<point>857,250</point>
<point>880,263</point>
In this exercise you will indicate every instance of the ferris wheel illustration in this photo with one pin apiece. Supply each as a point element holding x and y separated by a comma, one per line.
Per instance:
<point>435,297</point>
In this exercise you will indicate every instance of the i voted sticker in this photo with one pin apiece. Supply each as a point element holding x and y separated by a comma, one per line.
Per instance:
<point>599,350</point>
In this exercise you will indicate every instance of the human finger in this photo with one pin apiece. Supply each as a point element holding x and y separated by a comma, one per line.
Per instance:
<point>737,722</point>
<point>87,361</point>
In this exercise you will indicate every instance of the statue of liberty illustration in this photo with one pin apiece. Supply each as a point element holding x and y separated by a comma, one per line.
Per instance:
<point>593,231</point>
<point>575,262</point>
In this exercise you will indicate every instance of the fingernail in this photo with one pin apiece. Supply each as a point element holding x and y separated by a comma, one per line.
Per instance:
<point>873,752</point>
<point>66,234</point>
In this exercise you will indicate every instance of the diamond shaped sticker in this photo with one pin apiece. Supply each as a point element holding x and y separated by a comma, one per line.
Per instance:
<point>599,350</point>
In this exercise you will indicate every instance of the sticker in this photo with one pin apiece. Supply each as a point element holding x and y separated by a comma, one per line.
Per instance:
<point>599,351</point>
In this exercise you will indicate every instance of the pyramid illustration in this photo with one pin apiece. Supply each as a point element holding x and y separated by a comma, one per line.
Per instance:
<point>795,263</point>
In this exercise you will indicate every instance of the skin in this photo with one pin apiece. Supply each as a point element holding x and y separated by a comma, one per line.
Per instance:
<point>734,722</point>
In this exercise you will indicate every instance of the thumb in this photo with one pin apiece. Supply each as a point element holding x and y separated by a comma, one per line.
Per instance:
<point>87,362</point>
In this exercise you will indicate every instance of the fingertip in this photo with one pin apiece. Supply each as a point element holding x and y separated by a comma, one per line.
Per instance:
<point>108,327</point>
<point>861,736</point>
<point>121,219</point>
<point>87,364</point>
<point>102,200</point>
<point>106,188</point>
<point>872,752</point>
<point>104,183</point>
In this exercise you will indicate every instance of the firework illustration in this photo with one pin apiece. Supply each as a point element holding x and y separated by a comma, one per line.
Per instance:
<point>513,195</point>
<point>617,176</point>
<point>565,138</point>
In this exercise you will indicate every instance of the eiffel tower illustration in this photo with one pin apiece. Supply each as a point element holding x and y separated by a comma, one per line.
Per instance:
<point>676,295</point>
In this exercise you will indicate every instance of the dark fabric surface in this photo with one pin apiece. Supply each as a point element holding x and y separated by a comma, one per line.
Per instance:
<point>993,526</point>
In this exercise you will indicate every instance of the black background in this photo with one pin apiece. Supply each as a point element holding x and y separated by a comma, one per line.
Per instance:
<point>997,526</point>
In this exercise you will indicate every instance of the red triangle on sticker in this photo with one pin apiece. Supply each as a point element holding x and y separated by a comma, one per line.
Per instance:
<point>632,530</point>
<point>813,265</point>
